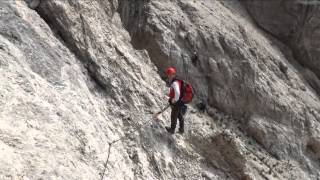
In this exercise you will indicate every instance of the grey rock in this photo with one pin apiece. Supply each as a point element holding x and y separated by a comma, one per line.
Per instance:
<point>295,23</point>
<point>33,4</point>
<point>78,80</point>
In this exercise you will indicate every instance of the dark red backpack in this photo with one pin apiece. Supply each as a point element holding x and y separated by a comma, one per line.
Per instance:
<point>186,92</point>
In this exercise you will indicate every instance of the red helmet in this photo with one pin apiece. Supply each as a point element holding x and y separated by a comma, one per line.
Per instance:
<point>170,71</point>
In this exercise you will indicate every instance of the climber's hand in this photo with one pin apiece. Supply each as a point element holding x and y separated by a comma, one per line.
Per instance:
<point>155,115</point>
<point>171,102</point>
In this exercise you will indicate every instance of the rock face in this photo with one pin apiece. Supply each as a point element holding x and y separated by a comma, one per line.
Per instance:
<point>60,109</point>
<point>81,79</point>
<point>238,69</point>
<point>296,23</point>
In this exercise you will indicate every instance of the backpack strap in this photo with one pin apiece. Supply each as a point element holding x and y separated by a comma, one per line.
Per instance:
<point>181,87</point>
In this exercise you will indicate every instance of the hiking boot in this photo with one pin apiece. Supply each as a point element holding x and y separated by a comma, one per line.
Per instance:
<point>170,130</point>
<point>181,131</point>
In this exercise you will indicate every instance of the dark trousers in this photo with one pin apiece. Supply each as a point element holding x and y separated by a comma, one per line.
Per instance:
<point>176,113</point>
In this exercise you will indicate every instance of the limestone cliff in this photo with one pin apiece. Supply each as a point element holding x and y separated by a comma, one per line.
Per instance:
<point>80,81</point>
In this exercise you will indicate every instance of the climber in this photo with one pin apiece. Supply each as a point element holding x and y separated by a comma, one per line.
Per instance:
<point>195,58</point>
<point>178,108</point>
